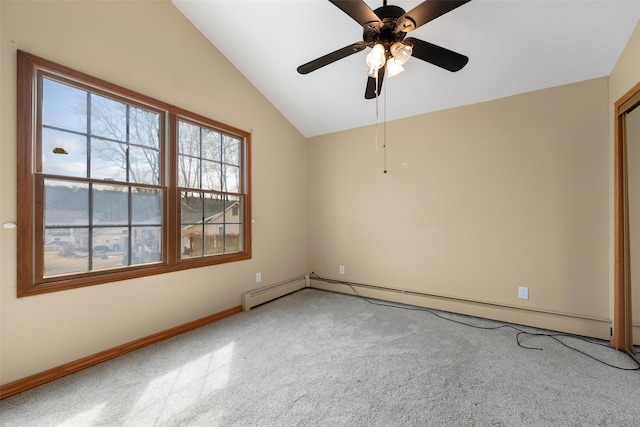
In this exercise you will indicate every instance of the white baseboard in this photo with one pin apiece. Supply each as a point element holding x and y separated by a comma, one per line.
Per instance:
<point>561,322</point>
<point>267,293</point>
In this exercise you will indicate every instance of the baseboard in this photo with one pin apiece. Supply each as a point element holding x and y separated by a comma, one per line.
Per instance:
<point>55,373</point>
<point>268,293</point>
<point>555,321</point>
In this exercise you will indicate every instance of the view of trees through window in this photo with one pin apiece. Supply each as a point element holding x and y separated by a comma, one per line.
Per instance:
<point>113,184</point>
<point>104,189</point>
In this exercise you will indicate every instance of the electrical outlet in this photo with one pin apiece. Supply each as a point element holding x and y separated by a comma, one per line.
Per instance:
<point>258,277</point>
<point>523,293</point>
<point>342,269</point>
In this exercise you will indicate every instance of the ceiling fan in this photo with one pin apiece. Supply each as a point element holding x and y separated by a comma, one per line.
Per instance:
<point>385,30</point>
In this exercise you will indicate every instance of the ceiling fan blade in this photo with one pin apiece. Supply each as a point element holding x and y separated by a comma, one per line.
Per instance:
<point>331,57</point>
<point>436,55</point>
<point>426,11</point>
<point>358,10</point>
<point>370,91</point>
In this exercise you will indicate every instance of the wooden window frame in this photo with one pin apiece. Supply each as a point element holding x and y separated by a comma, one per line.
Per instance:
<point>30,206</point>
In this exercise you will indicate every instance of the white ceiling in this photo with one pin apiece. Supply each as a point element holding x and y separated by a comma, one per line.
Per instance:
<point>514,46</point>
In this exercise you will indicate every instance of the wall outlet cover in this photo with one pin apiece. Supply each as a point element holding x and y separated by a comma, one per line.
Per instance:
<point>523,293</point>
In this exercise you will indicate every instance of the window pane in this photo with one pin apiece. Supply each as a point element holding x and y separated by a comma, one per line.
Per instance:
<point>64,153</point>
<point>211,145</point>
<point>144,127</point>
<point>65,204</point>
<point>189,172</point>
<point>109,248</point>
<point>233,224</point>
<point>213,239</point>
<point>108,160</point>
<point>191,210</point>
<point>63,251</point>
<point>145,165</point>
<point>188,155</point>
<point>110,205</point>
<point>146,245</point>
<point>147,206</point>
<point>194,208</point>
<point>192,215</point>
<point>188,139</point>
<point>232,179</point>
<point>233,238</point>
<point>108,118</point>
<point>233,210</point>
<point>213,208</point>
<point>211,175</point>
<point>64,106</point>
<point>231,151</point>
<point>191,238</point>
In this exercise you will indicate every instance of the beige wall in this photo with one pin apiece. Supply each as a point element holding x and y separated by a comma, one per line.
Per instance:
<point>151,48</point>
<point>477,201</point>
<point>625,75</point>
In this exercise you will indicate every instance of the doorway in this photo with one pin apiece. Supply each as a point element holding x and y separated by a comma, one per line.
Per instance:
<point>626,325</point>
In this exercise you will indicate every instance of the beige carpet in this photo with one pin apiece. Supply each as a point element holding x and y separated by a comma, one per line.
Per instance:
<point>317,358</point>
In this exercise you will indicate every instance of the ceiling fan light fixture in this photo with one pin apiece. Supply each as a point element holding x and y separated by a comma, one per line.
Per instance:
<point>376,58</point>
<point>393,68</point>
<point>401,52</point>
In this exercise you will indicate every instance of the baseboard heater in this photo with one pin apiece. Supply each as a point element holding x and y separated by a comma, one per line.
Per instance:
<point>259,296</point>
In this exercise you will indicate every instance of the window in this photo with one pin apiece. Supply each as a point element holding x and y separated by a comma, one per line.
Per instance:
<point>114,185</point>
<point>209,179</point>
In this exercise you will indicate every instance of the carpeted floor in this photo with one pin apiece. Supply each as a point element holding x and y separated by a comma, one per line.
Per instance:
<point>316,358</point>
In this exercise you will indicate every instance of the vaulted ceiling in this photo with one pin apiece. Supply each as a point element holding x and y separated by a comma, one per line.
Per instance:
<point>514,46</point>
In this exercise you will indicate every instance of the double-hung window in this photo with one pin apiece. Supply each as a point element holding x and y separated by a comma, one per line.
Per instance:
<point>113,184</point>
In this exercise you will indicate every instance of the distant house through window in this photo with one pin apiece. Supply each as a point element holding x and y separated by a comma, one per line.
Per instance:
<point>119,185</point>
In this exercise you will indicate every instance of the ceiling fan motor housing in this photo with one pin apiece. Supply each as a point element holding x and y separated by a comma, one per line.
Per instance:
<point>384,34</point>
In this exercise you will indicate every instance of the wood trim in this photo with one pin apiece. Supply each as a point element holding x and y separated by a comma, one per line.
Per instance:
<point>634,99</point>
<point>35,380</point>
<point>617,338</point>
<point>621,338</point>
<point>26,275</point>
<point>248,232</point>
<point>132,273</point>
<point>172,210</point>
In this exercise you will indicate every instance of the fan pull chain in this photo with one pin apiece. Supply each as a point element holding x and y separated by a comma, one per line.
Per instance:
<point>375,138</point>
<point>384,146</point>
<point>385,131</point>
